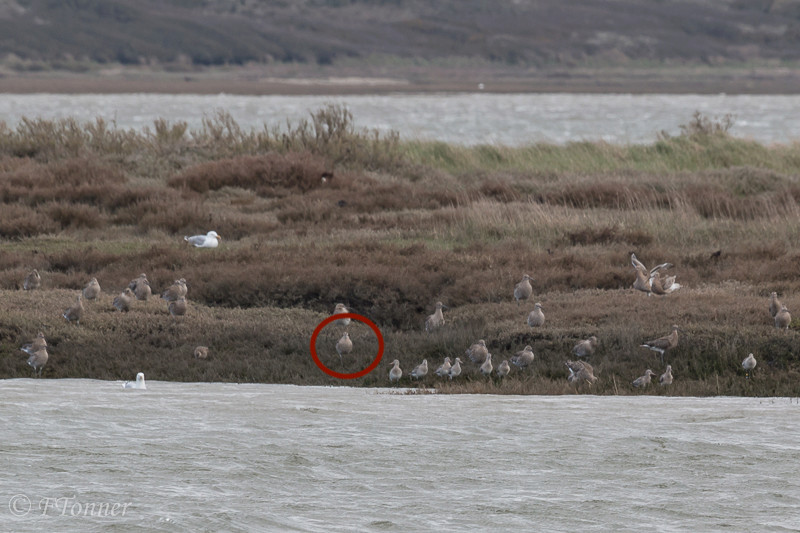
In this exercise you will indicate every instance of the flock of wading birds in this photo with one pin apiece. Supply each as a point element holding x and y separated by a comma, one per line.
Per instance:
<point>137,289</point>
<point>580,372</point>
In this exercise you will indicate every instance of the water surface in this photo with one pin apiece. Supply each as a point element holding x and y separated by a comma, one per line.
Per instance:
<point>227,457</point>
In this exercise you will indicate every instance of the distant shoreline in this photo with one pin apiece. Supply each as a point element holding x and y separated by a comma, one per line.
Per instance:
<point>350,82</point>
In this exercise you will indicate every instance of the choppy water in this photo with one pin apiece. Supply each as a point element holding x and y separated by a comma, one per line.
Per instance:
<point>507,119</point>
<point>227,457</point>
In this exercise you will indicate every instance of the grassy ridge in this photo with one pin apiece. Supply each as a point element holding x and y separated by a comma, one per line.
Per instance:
<point>393,228</point>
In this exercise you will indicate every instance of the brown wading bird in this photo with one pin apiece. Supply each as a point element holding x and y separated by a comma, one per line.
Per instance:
<point>536,317</point>
<point>523,289</point>
<point>123,301</point>
<point>783,319</point>
<point>455,370</point>
<point>644,278</point>
<point>92,290</point>
<point>774,304</point>
<point>201,352</point>
<point>666,377</point>
<point>444,369</point>
<point>75,312</point>
<point>580,372</point>
<point>435,320</point>
<point>177,290</point>
<point>38,359</point>
<point>36,344</point>
<point>420,370</point>
<point>395,373</point>
<point>477,352</point>
<point>663,344</point>
<point>643,381</point>
<point>344,346</point>
<point>341,309</point>
<point>524,358</point>
<point>32,281</point>
<point>503,369</point>
<point>486,367</point>
<point>585,348</point>
<point>178,307</point>
<point>141,287</point>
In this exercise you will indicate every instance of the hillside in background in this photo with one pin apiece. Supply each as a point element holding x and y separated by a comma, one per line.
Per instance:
<point>74,34</point>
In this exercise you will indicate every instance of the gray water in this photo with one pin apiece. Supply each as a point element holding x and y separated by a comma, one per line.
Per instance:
<point>227,457</point>
<point>465,118</point>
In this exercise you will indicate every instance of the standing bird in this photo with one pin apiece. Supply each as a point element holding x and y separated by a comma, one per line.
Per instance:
<point>344,346</point>
<point>36,344</point>
<point>580,372</point>
<point>643,381</point>
<point>486,367</point>
<point>783,319</point>
<point>524,358</point>
<point>209,240</point>
<point>201,352</point>
<point>585,348</point>
<point>38,359</point>
<point>455,370</point>
<point>748,364</point>
<point>138,384</point>
<point>75,312</point>
<point>92,290</point>
<point>774,304</point>
<point>666,377</point>
<point>523,289</point>
<point>536,317</point>
<point>420,370</point>
<point>141,288</point>
<point>32,281</point>
<point>444,369</point>
<point>644,278</point>
<point>477,352</point>
<point>176,290</point>
<point>436,319</point>
<point>338,310</point>
<point>178,307</point>
<point>663,344</point>
<point>503,369</point>
<point>395,373</point>
<point>123,301</point>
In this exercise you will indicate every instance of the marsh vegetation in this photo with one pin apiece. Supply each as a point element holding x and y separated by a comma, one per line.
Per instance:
<point>395,226</point>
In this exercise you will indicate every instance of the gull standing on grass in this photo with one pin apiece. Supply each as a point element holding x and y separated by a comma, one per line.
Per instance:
<point>486,367</point>
<point>123,301</point>
<point>580,372</point>
<point>774,304</point>
<point>201,352</point>
<point>503,369</point>
<point>783,319</point>
<point>37,350</point>
<point>209,240</point>
<point>536,317</point>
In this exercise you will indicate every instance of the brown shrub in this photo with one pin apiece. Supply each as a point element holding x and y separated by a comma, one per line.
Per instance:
<point>609,234</point>
<point>269,175</point>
